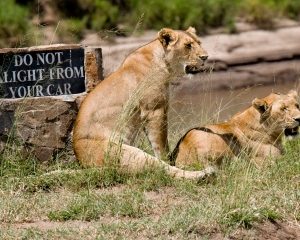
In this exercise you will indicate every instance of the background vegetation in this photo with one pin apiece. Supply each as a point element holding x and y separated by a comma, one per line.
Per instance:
<point>97,15</point>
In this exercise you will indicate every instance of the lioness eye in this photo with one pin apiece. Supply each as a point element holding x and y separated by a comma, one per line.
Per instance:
<point>297,106</point>
<point>284,108</point>
<point>188,45</point>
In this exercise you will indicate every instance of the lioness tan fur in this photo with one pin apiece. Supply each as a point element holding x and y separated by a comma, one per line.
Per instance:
<point>257,130</point>
<point>134,99</point>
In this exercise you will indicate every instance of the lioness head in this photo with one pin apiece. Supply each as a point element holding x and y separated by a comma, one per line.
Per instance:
<point>183,50</point>
<point>280,113</point>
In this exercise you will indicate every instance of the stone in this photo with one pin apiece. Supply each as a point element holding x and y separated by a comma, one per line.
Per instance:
<point>42,124</point>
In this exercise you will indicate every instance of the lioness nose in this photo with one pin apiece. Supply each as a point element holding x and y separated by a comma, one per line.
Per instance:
<point>203,57</point>
<point>298,120</point>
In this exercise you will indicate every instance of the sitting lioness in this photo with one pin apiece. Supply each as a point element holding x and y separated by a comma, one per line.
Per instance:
<point>257,130</point>
<point>135,99</point>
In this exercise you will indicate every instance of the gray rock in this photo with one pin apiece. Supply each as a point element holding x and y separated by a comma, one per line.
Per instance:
<point>43,125</point>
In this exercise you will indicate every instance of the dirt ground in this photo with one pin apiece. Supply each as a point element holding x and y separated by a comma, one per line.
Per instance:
<point>269,230</point>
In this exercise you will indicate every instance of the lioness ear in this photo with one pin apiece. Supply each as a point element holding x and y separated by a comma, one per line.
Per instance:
<point>191,30</point>
<point>293,94</point>
<point>260,105</point>
<point>167,37</point>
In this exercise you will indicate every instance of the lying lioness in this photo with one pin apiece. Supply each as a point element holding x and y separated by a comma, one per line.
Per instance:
<point>134,99</point>
<point>257,130</point>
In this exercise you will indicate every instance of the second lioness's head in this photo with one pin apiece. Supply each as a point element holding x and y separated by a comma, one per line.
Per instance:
<point>280,113</point>
<point>183,50</point>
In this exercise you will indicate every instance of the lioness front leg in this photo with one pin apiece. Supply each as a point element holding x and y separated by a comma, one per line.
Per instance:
<point>156,128</point>
<point>266,154</point>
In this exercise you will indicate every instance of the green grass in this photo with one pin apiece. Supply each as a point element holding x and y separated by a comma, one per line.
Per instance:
<point>150,204</point>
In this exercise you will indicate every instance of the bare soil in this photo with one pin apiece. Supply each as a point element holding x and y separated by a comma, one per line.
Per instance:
<point>270,230</point>
<point>165,199</point>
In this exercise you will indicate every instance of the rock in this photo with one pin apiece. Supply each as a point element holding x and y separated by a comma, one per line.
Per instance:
<point>42,124</point>
<point>44,153</point>
<point>249,57</point>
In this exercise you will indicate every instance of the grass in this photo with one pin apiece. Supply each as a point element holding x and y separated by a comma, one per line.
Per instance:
<point>150,204</point>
